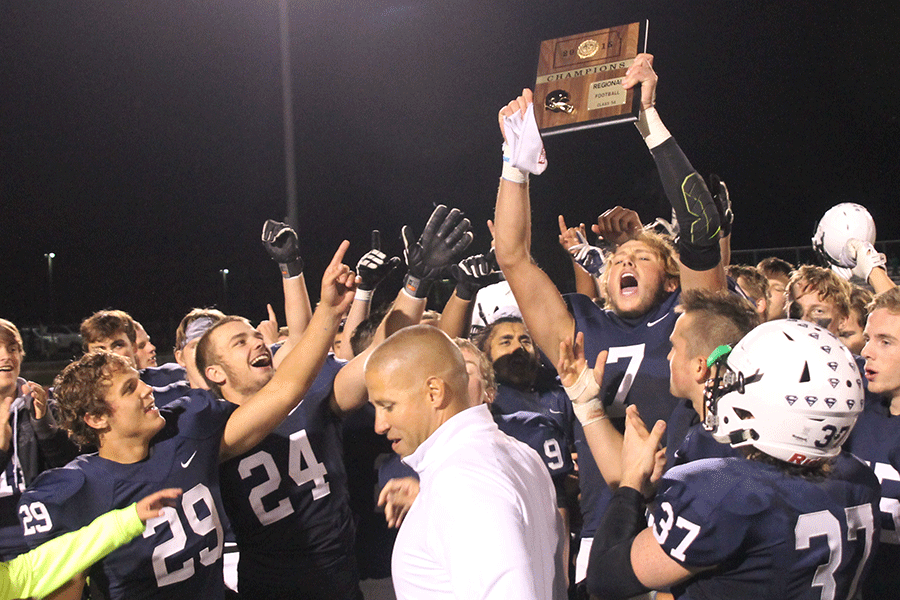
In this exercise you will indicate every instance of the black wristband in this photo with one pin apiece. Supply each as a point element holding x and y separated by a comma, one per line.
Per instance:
<point>416,287</point>
<point>466,292</point>
<point>291,269</point>
<point>610,572</point>
<point>698,258</point>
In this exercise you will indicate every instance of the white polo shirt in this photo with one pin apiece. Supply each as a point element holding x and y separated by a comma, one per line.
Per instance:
<point>484,524</point>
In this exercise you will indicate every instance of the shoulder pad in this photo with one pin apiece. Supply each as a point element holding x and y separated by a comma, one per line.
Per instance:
<point>56,486</point>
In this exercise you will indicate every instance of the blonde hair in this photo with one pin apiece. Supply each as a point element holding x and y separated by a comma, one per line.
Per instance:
<point>829,286</point>
<point>661,247</point>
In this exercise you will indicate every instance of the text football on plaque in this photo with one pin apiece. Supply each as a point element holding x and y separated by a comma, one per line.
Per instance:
<point>579,79</point>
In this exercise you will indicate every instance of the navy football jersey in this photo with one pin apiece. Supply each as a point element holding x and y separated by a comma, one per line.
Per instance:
<point>687,439</point>
<point>637,372</point>
<point>288,503</point>
<point>180,553</point>
<point>768,534</point>
<point>874,439</point>
<point>169,382</point>
<point>11,485</point>
<point>393,468</point>
<point>548,399</point>
<point>364,453</point>
<point>547,438</point>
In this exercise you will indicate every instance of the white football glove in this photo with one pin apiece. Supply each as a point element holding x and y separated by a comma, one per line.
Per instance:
<point>866,257</point>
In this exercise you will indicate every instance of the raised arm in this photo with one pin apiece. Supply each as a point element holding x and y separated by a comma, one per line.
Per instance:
<point>257,417</point>
<point>371,270</point>
<point>280,241</point>
<point>471,274</point>
<point>695,210</point>
<point>545,312</point>
<point>587,260</point>
<point>583,388</point>
<point>444,239</point>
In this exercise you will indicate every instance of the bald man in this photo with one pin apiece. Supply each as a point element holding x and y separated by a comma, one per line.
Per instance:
<point>484,524</point>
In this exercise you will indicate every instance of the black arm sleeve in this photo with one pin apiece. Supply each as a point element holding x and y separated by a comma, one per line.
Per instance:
<point>695,210</point>
<point>610,574</point>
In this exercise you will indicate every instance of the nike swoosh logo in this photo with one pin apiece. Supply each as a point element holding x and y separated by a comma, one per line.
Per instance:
<point>185,464</point>
<point>555,412</point>
<point>652,323</point>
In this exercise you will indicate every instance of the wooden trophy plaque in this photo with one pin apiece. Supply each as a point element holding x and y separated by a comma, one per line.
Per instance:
<point>579,79</point>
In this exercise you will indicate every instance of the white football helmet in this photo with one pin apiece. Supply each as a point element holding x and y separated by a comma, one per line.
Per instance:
<point>789,388</point>
<point>839,224</point>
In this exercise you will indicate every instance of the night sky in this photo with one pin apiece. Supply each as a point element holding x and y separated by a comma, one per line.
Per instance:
<point>142,141</point>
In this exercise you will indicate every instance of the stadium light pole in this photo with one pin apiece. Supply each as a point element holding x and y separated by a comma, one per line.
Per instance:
<point>224,273</point>
<point>50,256</point>
<point>287,99</point>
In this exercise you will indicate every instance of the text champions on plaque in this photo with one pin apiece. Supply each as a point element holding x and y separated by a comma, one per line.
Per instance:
<point>579,79</point>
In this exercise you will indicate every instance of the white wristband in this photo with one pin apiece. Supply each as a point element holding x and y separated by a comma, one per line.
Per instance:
<point>509,172</point>
<point>363,295</point>
<point>651,127</point>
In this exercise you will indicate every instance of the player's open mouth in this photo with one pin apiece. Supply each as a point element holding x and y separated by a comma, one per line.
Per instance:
<point>151,408</point>
<point>628,284</point>
<point>870,374</point>
<point>5,368</point>
<point>263,360</point>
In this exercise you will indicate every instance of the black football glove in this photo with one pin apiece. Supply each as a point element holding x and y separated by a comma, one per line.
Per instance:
<point>475,272</point>
<point>719,192</point>
<point>374,265</point>
<point>281,244</point>
<point>445,238</point>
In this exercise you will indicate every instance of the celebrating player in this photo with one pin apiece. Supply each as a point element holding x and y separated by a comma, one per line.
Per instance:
<point>287,498</point>
<point>641,283</point>
<point>103,401</point>
<point>794,519</point>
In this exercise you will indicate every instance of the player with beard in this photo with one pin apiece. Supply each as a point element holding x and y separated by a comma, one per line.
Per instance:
<point>103,402</point>
<point>522,385</point>
<point>641,284</point>
<point>287,498</point>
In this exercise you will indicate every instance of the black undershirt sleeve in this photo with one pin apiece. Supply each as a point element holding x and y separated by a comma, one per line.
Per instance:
<point>695,210</point>
<point>610,574</point>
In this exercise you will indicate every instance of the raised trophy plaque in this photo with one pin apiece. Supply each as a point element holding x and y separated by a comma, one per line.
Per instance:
<point>579,79</point>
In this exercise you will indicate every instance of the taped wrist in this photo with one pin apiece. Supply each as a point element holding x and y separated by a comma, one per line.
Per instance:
<point>651,128</point>
<point>585,396</point>
<point>695,210</point>
<point>291,269</point>
<point>510,173</point>
<point>610,573</point>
